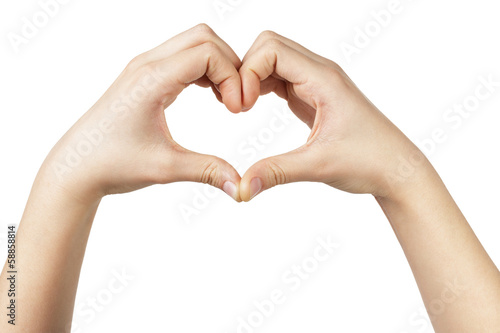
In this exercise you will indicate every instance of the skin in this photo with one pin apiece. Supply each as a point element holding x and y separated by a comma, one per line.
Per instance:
<point>352,147</point>
<point>137,151</point>
<point>355,148</point>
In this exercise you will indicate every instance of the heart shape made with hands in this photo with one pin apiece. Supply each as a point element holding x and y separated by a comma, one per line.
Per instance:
<point>258,76</point>
<point>152,81</point>
<point>347,131</point>
<point>343,149</point>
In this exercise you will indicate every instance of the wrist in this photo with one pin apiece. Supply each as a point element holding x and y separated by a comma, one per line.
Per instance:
<point>411,175</point>
<point>74,187</point>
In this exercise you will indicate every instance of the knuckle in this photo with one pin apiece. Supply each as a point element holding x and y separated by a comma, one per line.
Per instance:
<point>267,34</point>
<point>141,67</point>
<point>273,43</point>
<point>210,47</point>
<point>204,29</point>
<point>147,68</point>
<point>335,76</point>
<point>273,46</point>
<point>210,173</point>
<point>333,73</point>
<point>136,62</point>
<point>143,78</point>
<point>276,174</point>
<point>333,64</point>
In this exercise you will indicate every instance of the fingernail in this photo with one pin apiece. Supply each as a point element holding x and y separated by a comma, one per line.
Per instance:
<point>255,187</point>
<point>230,189</point>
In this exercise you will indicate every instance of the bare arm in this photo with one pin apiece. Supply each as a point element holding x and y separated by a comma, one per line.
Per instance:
<point>51,243</point>
<point>355,148</point>
<point>459,283</point>
<point>121,144</point>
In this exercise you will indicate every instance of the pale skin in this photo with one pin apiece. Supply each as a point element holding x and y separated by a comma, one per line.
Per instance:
<point>352,147</point>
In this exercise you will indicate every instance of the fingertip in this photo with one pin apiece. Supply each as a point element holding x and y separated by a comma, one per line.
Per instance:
<point>244,190</point>
<point>250,88</point>
<point>230,91</point>
<point>231,189</point>
<point>255,187</point>
<point>233,107</point>
<point>210,170</point>
<point>250,187</point>
<point>231,181</point>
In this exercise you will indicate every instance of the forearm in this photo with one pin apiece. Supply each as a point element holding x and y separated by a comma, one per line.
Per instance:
<point>51,242</point>
<point>120,145</point>
<point>459,283</point>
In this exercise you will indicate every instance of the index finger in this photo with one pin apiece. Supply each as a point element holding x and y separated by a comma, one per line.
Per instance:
<point>179,70</point>
<point>191,38</point>
<point>274,56</point>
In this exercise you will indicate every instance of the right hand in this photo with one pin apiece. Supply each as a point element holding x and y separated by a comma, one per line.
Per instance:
<point>352,145</point>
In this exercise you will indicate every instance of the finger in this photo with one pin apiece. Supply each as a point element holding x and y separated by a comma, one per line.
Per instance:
<point>187,66</point>
<point>294,166</point>
<point>193,37</point>
<point>275,85</point>
<point>276,57</point>
<point>205,82</point>
<point>303,111</point>
<point>217,93</point>
<point>265,36</point>
<point>207,169</point>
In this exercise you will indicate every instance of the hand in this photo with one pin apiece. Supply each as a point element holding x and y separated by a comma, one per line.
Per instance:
<point>123,143</point>
<point>352,145</point>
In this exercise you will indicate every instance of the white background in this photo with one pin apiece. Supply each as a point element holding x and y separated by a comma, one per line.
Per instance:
<point>204,272</point>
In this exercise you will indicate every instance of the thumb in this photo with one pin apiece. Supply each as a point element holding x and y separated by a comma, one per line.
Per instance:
<point>295,166</point>
<point>208,169</point>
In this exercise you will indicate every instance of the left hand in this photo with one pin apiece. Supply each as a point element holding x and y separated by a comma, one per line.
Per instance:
<point>123,143</point>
